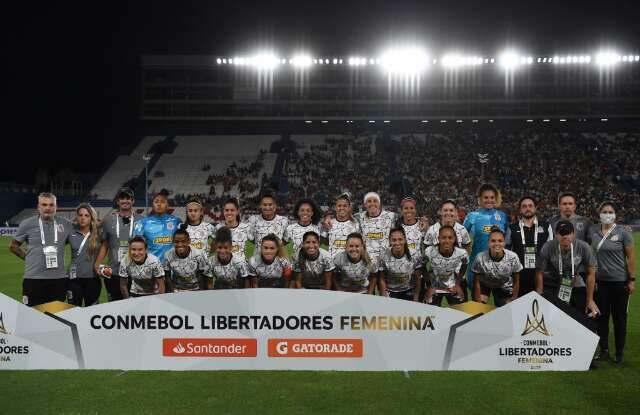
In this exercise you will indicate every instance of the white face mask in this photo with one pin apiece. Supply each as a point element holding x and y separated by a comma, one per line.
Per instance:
<point>607,218</point>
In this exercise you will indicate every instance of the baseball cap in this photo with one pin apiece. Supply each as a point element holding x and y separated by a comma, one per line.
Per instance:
<point>124,192</point>
<point>564,227</point>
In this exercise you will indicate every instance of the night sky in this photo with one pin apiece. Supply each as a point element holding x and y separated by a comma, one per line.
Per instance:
<point>72,75</point>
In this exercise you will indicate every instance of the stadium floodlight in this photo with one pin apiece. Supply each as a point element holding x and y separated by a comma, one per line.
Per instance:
<point>424,121</point>
<point>218,61</point>
<point>386,121</point>
<point>546,120</point>
<point>443,121</point>
<point>301,61</point>
<point>474,121</point>
<point>308,122</point>
<point>607,58</point>
<point>604,119</point>
<point>563,120</point>
<point>324,121</point>
<point>404,61</point>
<point>490,120</point>
<point>637,58</point>
<point>529,120</point>
<point>264,61</point>
<point>458,121</point>
<point>510,60</point>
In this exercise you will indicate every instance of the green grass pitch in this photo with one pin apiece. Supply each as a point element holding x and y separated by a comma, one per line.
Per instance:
<point>607,390</point>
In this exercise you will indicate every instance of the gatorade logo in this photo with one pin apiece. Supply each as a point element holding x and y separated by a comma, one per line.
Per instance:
<point>329,348</point>
<point>209,347</point>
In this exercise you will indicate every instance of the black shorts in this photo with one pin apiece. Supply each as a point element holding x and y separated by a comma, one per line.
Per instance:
<point>402,295</point>
<point>84,291</point>
<point>36,292</point>
<point>500,295</point>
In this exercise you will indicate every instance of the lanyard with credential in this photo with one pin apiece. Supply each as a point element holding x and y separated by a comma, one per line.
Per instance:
<point>55,232</point>
<point>604,238</point>
<point>535,233</point>
<point>573,263</point>
<point>118,227</point>
<point>84,241</point>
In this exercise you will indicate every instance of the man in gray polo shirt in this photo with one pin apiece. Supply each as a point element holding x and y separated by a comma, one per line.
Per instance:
<point>116,230</point>
<point>581,224</point>
<point>557,275</point>
<point>45,276</point>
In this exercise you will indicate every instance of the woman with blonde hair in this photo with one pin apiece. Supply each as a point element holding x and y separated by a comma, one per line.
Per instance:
<point>84,284</point>
<point>355,271</point>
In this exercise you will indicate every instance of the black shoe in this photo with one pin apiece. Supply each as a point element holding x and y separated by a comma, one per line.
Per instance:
<point>619,358</point>
<point>603,355</point>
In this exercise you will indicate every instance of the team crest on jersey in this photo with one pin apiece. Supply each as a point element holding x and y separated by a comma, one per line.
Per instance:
<point>170,226</point>
<point>615,238</point>
<point>496,216</point>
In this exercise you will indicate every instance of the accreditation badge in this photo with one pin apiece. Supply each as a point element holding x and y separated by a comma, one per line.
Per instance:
<point>564,293</point>
<point>123,250</point>
<point>73,271</point>
<point>529,257</point>
<point>50,256</point>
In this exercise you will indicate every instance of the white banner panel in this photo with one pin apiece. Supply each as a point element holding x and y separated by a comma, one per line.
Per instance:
<point>30,339</point>
<point>279,329</point>
<point>8,231</point>
<point>527,334</point>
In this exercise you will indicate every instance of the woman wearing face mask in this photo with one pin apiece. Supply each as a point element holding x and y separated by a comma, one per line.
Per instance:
<point>240,231</point>
<point>615,278</point>
<point>270,268</point>
<point>84,284</point>
<point>313,269</point>
<point>227,269</point>
<point>446,265</point>
<point>341,226</point>
<point>355,271</point>
<point>480,222</point>
<point>307,217</point>
<point>497,271</point>
<point>183,265</point>
<point>400,275</point>
<point>144,269</point>
<point>267,222</point>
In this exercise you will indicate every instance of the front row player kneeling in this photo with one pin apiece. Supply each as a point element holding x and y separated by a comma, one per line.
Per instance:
<point>144,269</point>
<point>446,266</point>
<point>270,268</point>
<point>226,270</point>
<point>313,269</point>
<point>400,272</point>
<point>355,271</point>
<point>184,266</point>
<point>497,271</point>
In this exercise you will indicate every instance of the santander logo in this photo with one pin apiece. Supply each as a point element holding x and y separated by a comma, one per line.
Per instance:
<point>179,349</point>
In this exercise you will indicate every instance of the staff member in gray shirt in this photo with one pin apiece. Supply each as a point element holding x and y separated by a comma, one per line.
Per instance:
<point>116,230</point>
<point>45,277</point>
<point>581,224</point>
<point>560,259</point>
<point>84,284</point>
<point>615,278</point>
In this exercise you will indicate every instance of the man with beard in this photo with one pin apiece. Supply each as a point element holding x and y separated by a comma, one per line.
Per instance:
<point>527,237</point>
<point>117,230</point>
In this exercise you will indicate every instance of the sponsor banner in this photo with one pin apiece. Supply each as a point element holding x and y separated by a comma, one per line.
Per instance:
<point>30,339</point>
<point>4,231</point>
<point>280,329</point>
<point>528,334</point>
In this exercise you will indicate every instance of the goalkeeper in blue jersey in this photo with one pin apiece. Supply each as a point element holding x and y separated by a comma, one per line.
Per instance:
<point>479,222</point>
<point>158,228</point>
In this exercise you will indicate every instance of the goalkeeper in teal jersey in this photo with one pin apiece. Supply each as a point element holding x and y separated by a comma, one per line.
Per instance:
<point>158,228</point>
<point>479,222</point>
